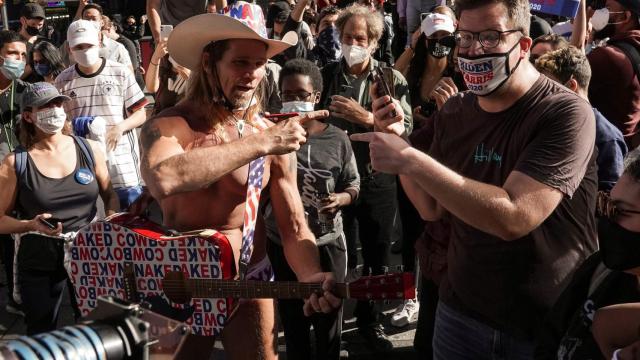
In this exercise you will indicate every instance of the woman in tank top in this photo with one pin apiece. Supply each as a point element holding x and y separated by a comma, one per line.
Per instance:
<point>49,179</point>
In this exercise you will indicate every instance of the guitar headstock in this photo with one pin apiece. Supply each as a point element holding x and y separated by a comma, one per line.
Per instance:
<point>384,287</point>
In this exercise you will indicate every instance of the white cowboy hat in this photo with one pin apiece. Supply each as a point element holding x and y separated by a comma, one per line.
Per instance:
<point>241,21</point>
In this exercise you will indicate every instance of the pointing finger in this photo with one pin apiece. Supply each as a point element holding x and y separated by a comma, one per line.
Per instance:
<point>313,115</point>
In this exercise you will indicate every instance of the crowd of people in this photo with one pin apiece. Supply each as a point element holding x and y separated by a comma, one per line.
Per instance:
<point>495,149</point>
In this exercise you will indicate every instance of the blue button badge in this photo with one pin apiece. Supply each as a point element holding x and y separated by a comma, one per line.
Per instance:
<point>84,176</point>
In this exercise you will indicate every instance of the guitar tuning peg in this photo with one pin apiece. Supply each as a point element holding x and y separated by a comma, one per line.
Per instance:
<point>385,270</point>
<point>401,268</point>
<point>370,271</point>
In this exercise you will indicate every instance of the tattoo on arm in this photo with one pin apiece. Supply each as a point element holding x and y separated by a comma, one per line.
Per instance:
<point>149,134</point>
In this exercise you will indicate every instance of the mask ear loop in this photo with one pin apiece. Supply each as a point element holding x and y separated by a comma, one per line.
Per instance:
<point>507,67</point>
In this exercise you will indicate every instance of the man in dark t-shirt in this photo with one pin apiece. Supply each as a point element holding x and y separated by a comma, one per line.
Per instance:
<point>512,162</point>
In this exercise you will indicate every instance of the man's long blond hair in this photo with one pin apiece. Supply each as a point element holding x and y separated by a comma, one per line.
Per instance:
<point>207,97</point>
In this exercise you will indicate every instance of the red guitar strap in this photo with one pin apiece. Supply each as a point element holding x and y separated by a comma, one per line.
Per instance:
<point>254,188</point>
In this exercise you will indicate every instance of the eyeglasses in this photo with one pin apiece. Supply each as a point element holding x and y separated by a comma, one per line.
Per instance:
<point>607,207</point>
<point>295,96</point>
<point>488,38</point>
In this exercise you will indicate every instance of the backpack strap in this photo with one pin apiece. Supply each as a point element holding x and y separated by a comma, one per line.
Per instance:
<point>632,53</point>
<point>21,161</point>
<point>86,151</point>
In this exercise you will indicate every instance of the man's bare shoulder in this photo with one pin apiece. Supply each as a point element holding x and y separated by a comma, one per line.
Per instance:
<point>165,126</point>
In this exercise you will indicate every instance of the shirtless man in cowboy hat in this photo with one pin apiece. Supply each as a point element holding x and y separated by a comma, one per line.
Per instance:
<point>196,155</point>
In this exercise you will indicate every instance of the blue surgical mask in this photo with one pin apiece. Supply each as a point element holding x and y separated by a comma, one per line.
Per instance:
<point>12,69</point>
<point>299,107</point>
<point>42,69</point>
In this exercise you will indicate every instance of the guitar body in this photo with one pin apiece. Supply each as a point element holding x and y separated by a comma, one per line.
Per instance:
<point>132,258</point>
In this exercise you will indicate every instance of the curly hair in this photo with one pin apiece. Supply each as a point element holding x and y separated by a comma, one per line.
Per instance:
<point>302,67</point>
<point>564,64</point>
<point>374,20</point>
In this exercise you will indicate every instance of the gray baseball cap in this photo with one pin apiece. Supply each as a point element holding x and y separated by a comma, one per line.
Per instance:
<point>39,94</point>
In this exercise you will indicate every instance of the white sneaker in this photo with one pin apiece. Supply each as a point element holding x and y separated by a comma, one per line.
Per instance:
<point>406,313</point>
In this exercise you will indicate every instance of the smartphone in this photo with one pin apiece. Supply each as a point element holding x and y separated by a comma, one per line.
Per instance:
<point>279,117</point>
<point>48,223</point>
<point>165,31</point>
<point>382,88</point>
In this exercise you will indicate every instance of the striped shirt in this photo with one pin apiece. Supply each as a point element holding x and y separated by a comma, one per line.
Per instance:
<point>110,94</point>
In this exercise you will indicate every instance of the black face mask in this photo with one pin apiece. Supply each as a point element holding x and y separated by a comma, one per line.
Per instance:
<point>32,30</point>
<point>436,49</point>
<point>620,248</point>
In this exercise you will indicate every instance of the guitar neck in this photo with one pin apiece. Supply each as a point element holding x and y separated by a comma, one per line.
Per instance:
<point>248,289</point>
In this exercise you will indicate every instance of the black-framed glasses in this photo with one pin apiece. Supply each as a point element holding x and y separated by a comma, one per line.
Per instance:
<point>295,96</point>
<point>488,38</point>
<point>607,207</point>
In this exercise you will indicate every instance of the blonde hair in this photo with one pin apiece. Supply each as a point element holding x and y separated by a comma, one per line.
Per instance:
<point>209,100</point>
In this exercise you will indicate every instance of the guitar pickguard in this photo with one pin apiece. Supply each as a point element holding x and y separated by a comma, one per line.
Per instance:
<point>102,249</point>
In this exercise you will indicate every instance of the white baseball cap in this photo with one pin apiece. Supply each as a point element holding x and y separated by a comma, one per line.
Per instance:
<point>82,32</point>
<point>435,22</point>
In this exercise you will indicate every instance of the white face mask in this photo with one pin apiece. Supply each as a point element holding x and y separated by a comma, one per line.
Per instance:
<point>87,57</point>
<point>484,74</point>
<point>600,18</point>
<point>300,107</point>
<point>354,54</point>
<point>50,121</point>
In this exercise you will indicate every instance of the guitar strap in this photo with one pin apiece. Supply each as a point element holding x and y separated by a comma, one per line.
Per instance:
<point>254,188</point>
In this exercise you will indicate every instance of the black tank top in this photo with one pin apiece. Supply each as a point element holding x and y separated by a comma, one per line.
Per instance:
<point>70,200</point>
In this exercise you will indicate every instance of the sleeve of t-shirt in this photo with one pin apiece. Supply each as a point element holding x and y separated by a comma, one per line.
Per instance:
<point>349,178</point>
<point>123,56</point>
<point>133,97</point>
<point>559,154</point>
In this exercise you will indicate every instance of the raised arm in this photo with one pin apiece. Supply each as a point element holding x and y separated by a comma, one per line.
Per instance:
<point>153,15</point>
<point>579,33</point>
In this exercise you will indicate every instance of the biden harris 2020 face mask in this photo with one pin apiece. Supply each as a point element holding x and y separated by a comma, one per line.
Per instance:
<point>485,74</point>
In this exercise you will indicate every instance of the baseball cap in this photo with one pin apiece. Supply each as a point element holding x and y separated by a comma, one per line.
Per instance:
<point>435,22</point>
<point>32,11</point>
<point>39,94</point>
<point>278,12</point>
<point>631,5</point>
<point>82,32</point>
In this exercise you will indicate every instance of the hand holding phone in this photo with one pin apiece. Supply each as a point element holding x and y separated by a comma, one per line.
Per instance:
<point>165,31</point>
<point>47,223</point>
<point>381,87</point>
